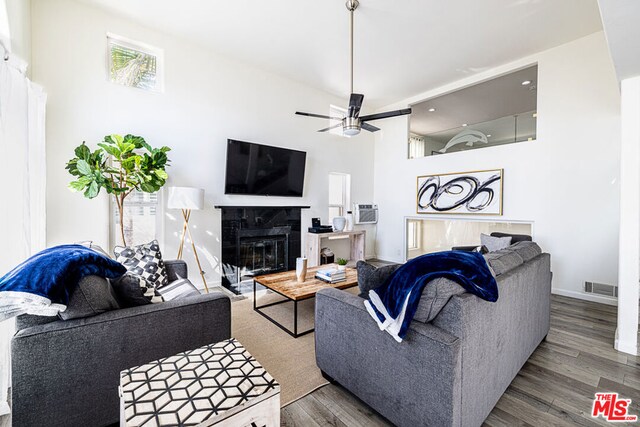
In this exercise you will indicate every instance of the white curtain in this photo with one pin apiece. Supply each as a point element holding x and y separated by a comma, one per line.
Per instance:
<point>22,178</point>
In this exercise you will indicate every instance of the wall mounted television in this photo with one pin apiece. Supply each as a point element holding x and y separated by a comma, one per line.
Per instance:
<point>262,170</point>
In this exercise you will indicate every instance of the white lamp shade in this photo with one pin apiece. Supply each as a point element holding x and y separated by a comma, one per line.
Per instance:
<point>185,198</point>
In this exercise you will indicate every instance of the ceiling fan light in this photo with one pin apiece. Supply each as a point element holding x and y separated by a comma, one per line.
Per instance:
<point>351,130</point>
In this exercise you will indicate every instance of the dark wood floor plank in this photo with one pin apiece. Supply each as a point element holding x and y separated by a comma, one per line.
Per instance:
<point>294,415</point>
<point>318,411</point>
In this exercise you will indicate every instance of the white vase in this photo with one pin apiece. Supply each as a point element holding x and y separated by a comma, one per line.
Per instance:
<point>301,269</point>
<point>349,217</point>
<point>342,267</point>
<point>339,223</point>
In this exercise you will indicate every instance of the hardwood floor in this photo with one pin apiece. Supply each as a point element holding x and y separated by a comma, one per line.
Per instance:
<point>554,388</point>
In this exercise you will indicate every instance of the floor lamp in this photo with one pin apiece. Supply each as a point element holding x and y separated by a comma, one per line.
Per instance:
<point>187,199</point>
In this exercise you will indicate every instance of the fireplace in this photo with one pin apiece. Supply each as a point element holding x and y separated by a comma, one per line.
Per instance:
<point>258,240</point>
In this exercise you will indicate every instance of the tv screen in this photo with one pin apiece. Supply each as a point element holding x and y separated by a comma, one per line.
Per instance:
<point>262,170</point>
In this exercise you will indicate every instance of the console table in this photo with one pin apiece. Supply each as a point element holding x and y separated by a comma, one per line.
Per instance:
<point>314,245</point>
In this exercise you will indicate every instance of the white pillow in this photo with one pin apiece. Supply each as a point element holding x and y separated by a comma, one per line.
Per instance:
<point>495,243</point>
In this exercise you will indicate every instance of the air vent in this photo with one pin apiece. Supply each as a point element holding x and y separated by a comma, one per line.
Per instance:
<point>601,289</point>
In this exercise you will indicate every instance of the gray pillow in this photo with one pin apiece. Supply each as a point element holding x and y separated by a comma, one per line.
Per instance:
<point>178,289</point>
<point>503,260</point>
<point>527,250</point>
<point>92,296</point>
<point>371,277</point>
<point>435,296</point>
<point>495,243</point>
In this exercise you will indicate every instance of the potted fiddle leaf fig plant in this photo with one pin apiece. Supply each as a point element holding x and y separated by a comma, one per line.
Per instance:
<point>120,165</point>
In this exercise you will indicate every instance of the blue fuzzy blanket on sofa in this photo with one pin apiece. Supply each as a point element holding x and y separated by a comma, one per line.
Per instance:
<point>42,284</point>
<point>394,304</point>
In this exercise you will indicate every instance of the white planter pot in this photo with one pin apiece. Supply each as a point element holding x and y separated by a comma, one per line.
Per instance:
<point>339,223</point>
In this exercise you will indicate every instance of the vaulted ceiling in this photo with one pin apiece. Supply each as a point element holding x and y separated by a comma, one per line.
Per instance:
<point>401,47</point>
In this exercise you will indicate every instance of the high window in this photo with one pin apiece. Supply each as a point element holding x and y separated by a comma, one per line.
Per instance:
<point>135,64</point>
<point>339,194</point>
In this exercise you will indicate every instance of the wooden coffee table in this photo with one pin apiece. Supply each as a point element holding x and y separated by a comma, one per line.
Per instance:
<point>286,285</point>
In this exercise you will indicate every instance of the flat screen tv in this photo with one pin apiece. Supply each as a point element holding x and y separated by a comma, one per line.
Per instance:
<point>262,170</point>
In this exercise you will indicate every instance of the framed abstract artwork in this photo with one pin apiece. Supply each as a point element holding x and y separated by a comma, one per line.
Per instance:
<point>471,193</point>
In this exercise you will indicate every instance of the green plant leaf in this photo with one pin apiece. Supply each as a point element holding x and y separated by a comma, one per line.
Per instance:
<point>110,149</point>
<point>161,174</point>
<point>83,167</point>
<point>83,152</point>
<point>92,191</point>
<point>76,186</point>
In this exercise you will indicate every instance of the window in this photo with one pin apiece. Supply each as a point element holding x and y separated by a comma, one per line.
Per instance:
<point>140,219</point>
<point>339,194</point>
<point>414,235</point>
<point>135,64</point>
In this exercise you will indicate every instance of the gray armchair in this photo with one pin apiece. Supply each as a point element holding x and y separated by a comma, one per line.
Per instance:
<point>66,373</point>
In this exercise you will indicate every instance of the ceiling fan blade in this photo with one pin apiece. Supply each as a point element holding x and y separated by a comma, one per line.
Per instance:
<point>339,125</point>
<point>386,115</point>
<point>319,116</point>
<point>355,103</point>
<point>370,128</point>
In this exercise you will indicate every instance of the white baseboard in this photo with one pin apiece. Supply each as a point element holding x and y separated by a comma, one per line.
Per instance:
<point>4,408</point>
<point>625,347</point>
<point>586,297</point>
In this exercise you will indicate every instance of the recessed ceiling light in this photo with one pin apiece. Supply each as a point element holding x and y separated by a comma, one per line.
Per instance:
<point>464,125</point>
<point>526,83</point>
<point>431,110</point>
<point>489,136</point>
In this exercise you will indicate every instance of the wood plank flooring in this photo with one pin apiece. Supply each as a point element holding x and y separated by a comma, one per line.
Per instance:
<point>554,388</point>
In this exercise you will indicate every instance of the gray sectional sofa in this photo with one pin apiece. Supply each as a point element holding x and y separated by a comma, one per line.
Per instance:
<point>448,372</point>
<point>66,373</point>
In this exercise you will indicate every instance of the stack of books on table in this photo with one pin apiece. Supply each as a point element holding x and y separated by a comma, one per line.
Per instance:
<point>331,275</point>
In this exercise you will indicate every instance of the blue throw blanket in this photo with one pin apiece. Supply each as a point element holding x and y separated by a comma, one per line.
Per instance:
<point>394,304</point>
<point>42,284</point>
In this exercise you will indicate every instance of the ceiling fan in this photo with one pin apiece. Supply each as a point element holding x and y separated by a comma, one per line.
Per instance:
<point>353,122</point>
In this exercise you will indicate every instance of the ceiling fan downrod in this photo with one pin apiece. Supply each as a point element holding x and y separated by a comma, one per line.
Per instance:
<point>352,5</point>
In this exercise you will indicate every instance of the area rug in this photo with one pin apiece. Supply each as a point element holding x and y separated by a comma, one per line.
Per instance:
<point>291,361</point>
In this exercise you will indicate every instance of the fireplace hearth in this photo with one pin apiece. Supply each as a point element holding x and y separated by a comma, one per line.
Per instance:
<point>258,240</point>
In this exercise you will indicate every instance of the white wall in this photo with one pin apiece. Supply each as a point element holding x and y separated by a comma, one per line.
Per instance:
<point>207,99</point>
<point>19,15</point>
<point>566,182</point>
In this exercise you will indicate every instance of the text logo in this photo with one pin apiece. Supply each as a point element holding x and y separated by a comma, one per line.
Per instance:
<point>612,408</point>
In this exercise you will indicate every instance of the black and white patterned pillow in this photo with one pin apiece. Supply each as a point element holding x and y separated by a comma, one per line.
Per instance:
<point>132,290</point>
<point>144,261</point>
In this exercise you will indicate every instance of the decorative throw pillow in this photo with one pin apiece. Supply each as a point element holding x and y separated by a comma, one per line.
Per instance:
<point>435,296</point>
<point>133,290</point>
<point>527,250</point>
<point>371,277</point>
<point>493,243</point>
<point>178,289</point>
<point>503,260</point>
<point>92,296</point>
<point>144,261</point>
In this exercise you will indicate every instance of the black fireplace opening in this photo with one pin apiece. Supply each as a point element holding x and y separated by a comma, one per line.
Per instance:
<point>257,241</point>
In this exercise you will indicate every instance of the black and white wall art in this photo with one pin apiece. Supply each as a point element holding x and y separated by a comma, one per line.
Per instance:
<point>474,193</point>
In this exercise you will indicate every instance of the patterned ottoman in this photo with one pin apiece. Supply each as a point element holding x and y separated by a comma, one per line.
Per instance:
<point>219,384</point>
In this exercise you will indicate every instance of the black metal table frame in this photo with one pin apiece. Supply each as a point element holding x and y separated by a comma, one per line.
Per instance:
<point>257,308</point>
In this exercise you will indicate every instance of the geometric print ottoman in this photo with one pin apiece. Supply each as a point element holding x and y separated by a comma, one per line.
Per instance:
<point>219,384</point>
